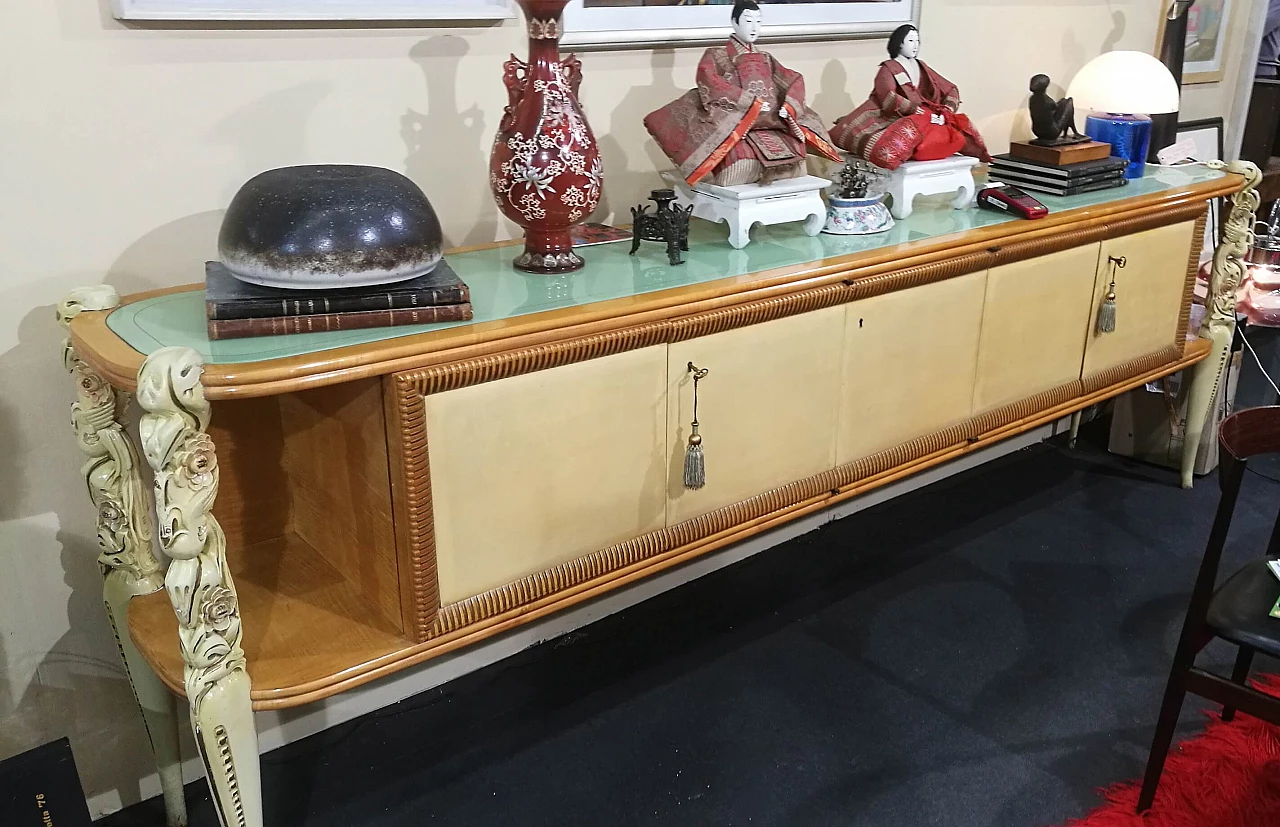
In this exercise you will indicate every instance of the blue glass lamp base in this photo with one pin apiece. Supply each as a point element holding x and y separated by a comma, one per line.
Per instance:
<point>1129,136</point>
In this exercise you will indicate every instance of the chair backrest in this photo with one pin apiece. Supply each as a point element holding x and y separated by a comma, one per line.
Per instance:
<point>1242,435</point>
<point>1251,432</point>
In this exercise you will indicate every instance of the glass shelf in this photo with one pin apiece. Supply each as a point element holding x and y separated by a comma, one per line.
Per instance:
<point>498,291</point>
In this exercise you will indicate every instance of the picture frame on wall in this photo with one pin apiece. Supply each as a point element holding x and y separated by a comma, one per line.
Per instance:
<point>621,24</point>
<point>283,10</point>
<point>1208,30</point>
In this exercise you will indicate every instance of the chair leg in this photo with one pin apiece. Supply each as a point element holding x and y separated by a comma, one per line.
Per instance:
<point>1239,674</point>
<point>1170,708</point>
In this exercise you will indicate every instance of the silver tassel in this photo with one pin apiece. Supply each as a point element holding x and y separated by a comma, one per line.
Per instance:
<point>695,468</point>
<point>1107,312</point>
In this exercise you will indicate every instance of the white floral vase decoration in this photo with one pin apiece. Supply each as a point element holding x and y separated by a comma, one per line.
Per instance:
<point>854,207</point>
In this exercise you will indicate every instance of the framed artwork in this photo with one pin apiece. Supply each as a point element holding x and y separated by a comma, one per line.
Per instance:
<point>1207,31</point>
<point>620,24</point>
<point>1207,135</point>
<point>355,10</point>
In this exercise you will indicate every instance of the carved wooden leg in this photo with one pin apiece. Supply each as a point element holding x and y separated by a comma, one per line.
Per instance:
<point>127,557</point>
<point>1220,319</point>
<point>198,581</point>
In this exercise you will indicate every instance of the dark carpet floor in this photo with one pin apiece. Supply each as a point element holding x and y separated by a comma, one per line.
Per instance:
<point>986,651</point>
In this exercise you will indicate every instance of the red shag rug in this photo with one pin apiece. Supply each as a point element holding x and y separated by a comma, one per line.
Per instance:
<point>1227,777</point>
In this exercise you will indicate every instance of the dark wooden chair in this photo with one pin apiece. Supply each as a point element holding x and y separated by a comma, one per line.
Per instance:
<point>1237,611</point>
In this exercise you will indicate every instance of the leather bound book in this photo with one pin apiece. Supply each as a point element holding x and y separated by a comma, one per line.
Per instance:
<point>326,322</point>
<point>226,297</point>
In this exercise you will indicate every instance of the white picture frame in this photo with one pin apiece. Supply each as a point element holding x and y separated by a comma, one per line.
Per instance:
<point>317,10</point>
<point>588,27</point>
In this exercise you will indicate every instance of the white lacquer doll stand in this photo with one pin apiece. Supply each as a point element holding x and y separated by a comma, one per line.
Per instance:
<point>949,175</point>
<point>745,205</point>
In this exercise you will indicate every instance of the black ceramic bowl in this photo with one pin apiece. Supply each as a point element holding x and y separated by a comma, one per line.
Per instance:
<point>329,226</point>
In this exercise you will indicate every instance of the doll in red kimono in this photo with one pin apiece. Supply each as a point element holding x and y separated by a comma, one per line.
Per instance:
<point>911,115</point>
<point>747,121</point>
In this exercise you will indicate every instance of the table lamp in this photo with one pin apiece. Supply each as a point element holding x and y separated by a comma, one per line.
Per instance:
<point>1121,89</point>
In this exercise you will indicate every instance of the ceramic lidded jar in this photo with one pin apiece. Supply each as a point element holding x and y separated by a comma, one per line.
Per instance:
<point>329,226</point>
<point>545,168</point>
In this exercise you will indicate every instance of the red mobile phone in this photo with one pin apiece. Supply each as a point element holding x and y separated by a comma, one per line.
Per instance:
<point>1011,200</point>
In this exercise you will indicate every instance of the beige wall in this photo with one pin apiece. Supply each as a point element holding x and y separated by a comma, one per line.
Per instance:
<point>122,144</point>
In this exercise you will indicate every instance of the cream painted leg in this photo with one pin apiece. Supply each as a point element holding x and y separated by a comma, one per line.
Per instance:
<point>198,581</point>
<point>159,706</point>
<point>1220,320</point>
<point>1075,428</point>
<point>127,556</point>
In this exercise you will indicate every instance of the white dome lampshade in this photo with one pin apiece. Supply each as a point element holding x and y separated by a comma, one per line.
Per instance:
<point>1131,83</point>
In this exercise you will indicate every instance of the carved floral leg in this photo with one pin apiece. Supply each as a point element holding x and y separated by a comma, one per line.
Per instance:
<point>1219,324</point>
<point>127,558</point>
<point>198,581</point>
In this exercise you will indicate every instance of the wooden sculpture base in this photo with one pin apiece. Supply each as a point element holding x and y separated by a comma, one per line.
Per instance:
<point>1060,156</point>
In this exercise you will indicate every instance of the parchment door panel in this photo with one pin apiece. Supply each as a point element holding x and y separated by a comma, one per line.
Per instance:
<point>534,470</point>
<point>767,409</point>
<point>909,364</point>
<point>1149,294</point>
<point>1034,323</point>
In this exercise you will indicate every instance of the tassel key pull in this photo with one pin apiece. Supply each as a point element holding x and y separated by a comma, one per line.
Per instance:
<point>1107,310</point>
<point>695,469</point>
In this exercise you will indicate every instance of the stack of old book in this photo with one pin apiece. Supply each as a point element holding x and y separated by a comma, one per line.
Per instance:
<point>1065,170</point>
<point>237,309</point>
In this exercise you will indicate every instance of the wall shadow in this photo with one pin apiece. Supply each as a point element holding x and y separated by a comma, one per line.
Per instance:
<point>1119,22</point>
<point>62,674</point>
<point>270,131</point>
<point>177,249</point>
<point>626,186</point>
<point>446,144</point>
<point>834,99</point>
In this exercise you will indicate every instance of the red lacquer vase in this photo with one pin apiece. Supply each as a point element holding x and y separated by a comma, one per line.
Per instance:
<point>545,167</point>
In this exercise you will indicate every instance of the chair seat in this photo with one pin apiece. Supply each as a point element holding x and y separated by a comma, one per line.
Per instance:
<point>1240,609</point>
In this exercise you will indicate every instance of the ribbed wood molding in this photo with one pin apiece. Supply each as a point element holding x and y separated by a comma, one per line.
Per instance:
<point>868,286</point>
<point>1142,364</point>
<point>1193,269</point>
<point>415,517</point>
<point>1055,242</point>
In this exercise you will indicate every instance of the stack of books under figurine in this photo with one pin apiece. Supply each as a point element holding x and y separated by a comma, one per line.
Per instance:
<point>237,309</point>
<point>1059,179</point>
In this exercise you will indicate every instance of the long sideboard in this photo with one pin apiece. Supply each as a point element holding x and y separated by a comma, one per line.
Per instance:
<point>337,507</point>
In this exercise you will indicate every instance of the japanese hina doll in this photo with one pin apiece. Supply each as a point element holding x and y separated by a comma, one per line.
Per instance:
<point>911,115</point>
<point>747,122</point>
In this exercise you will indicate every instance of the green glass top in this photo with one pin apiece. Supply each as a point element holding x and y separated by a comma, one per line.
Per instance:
<point>498,291</point>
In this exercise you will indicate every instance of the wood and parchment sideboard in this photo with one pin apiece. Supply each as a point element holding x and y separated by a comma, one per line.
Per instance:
<point>337,507</point>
